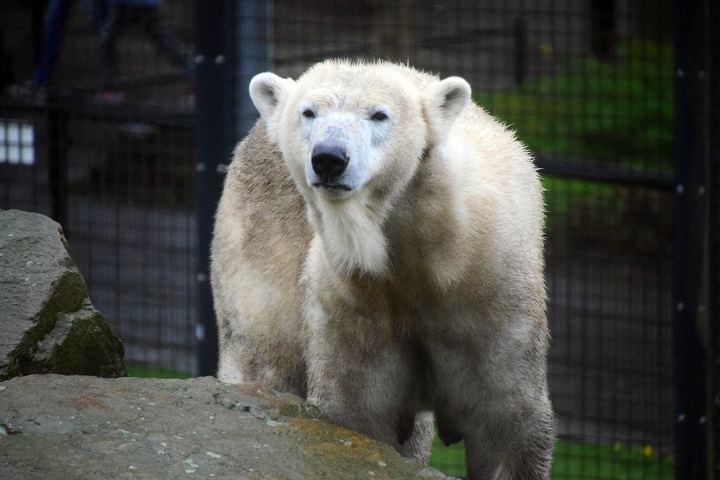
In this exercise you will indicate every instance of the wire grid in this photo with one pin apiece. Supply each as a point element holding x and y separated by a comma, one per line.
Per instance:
<point>114,161</point>
<point>587,87</point>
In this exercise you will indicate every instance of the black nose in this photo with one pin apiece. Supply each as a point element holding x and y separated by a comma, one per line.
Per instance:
<point>329,160</point>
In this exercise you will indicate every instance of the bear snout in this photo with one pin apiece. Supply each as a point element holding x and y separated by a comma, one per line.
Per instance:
<point>329,161</point>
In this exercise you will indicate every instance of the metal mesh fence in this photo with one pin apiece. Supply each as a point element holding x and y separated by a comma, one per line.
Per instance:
<point>587,85</point>
<point>111,158</point>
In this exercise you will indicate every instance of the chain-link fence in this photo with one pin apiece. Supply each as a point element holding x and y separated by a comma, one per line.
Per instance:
<point>104,113</point>
<point>104,140</point>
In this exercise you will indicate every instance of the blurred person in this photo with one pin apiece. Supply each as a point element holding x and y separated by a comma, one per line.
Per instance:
<point>55,19</point>
<point>145,16</point>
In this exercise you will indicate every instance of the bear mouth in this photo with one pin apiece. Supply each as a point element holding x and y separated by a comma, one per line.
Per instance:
<point>332,186</point>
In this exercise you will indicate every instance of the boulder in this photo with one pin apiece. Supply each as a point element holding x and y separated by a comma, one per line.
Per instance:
<point>47,322</point>
<point>77,427</point>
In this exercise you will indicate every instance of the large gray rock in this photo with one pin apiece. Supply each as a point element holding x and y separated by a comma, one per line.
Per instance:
<point>58,427</point>
<point>47,323</point>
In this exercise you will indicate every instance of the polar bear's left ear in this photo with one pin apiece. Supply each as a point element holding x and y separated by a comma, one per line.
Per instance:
<point>446,99</point>
<point>266,92</point>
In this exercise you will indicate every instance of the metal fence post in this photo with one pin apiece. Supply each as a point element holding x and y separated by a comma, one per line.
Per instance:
<point>713,81</point>
<point>213,124</point>
<point>254,23</point>
<point>232,45</point>
<point>520,49</point>
<point>696,242</point>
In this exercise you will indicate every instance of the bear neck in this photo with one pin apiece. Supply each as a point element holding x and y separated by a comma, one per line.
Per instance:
<point>352,233</point>
<point>412,233</point>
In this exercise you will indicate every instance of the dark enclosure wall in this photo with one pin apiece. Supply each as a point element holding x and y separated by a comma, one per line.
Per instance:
<point>125,144</point>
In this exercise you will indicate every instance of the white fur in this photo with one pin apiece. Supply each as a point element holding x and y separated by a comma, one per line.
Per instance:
<point>352,236</point>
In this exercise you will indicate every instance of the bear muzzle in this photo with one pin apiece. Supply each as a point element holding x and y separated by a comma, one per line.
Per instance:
<point>329,161</point>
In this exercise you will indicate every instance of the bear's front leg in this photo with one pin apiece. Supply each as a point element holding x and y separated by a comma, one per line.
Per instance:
<point>492,393</point>
<point>362,380</point>
<point>493,452</point>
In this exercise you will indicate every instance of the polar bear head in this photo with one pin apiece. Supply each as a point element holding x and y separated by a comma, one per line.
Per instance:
<point>352,136</point>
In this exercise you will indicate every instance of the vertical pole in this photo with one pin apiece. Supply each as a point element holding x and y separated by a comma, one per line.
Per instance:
<point>602,28</point>
<point>694,321</point>
<point>713,82</point>
<point>233,44</point>
<point>254,22</point>
<point>212,127</point>
<point>520,48</point>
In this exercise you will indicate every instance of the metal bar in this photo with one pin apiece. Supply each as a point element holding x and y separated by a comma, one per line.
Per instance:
<point>520,50</point>
<point>691,161</point>
<point>211,133</point>
<point>568,168</point>
<point>136,82</point>
<point>73,105</point>
<point>713,80</point>
<point>254,28</point>
<point>225,114</point>
<point>442,41</point>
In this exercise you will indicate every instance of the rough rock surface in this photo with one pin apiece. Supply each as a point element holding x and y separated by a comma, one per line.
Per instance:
<point>47,323</point>
<point>74,427</point>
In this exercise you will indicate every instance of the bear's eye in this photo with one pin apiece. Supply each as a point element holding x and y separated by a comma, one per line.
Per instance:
<point>307,113</point>
<point>379,116</point>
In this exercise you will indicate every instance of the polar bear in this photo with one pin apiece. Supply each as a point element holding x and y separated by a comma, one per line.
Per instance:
<point>378,250</point>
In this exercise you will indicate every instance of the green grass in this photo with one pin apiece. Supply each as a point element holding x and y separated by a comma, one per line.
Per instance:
<point>617,113</point>
<point>577,461</point>
<point>449,460</point>
<point>601,114</point>
<point>568,199</point>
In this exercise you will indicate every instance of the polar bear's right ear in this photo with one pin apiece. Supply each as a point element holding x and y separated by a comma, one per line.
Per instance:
<point>266,92</point>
